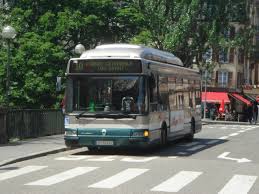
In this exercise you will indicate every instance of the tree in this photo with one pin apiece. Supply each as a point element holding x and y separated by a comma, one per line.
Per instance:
<point>47,34</point>
<point>189,28</point>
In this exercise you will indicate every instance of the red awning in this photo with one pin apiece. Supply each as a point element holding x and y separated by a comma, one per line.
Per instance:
<point>241,98</point>
<point>215,97</point>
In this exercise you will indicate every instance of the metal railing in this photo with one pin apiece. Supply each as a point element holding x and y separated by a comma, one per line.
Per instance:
<point>30,123</point>
<point>3,129</point>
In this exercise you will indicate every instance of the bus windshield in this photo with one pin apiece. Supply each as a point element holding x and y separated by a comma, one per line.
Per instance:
<point>124,94</point>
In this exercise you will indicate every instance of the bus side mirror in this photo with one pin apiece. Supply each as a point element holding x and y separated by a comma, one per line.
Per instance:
<point>58,84</point>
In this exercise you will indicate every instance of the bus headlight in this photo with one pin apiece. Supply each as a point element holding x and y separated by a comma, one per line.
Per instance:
<point>71,133</point>
<point>146,133</point>
<point>141,133</point>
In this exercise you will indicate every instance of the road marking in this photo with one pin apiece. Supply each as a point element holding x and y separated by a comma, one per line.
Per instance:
<point>177,182</point>
<point>102,159</point>
<point>21,171</point>
<point>241,131</point>
<point>189,144</point>
<point>73,158</point>
<point>119,178</point>
<point>69,174</point>
<point>212,142</point>
<point>172,157</point>
<point>181,153</point>
<point>138,160</point>
<point>224,156</point>
<point>240,184</point>
<point>224,137</point>
<point>198,147</point>
<point>251,128</point>
<point>233,134</point>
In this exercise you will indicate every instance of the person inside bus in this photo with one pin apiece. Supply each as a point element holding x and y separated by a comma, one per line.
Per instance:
<point>127,104</point>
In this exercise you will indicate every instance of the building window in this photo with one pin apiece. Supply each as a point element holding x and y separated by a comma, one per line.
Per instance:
<point>223,79</point>
<point>241,57</point>
<point>231,55</point>
<point>223,56</point>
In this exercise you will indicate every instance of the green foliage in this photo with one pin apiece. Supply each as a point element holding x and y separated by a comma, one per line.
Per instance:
<point>189,27</point>
<point>47,34</point>
<point>49,30</point>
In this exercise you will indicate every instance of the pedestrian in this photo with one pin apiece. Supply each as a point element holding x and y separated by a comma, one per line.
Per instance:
<point>250,113</point>
<point>255,112</point>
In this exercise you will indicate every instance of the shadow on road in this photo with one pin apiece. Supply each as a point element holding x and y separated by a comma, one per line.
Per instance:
<point>175,148</point>
<point>9,168</point>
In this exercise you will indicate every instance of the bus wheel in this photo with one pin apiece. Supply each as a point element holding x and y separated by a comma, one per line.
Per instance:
<point>163,138</point>
<point>71,144</point>
<point>93,149</point>
<point>190,136</point>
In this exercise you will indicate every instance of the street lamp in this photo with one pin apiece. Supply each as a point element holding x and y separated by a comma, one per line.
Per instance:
<point>8,33</point>
<point>205,94</point>
<point>79,49</point>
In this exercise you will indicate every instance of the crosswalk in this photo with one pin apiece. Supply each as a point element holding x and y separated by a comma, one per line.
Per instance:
<point>172,183</point>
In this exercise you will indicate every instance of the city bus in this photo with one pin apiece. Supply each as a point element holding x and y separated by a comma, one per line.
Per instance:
<point>124,95</point>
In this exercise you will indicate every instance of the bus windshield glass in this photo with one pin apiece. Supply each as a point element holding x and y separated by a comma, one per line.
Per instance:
<point>111,95</point>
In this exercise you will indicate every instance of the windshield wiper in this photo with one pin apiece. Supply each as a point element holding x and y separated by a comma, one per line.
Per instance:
<point>123,115</point>
<point>82,114</point>
<point>106,115</point>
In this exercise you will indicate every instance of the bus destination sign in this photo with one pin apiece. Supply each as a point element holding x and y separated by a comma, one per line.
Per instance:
<point>105,66</point>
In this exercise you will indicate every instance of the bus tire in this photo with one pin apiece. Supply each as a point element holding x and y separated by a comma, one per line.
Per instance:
<point>190,136</point>
<point>163,138</point>
<point>93,149</point>
<point>71,144</point>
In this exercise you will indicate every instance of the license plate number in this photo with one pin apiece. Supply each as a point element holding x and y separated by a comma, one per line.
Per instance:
<point>104,142</point>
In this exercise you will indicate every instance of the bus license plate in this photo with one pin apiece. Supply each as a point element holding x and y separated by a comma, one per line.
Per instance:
<point>104,142</point>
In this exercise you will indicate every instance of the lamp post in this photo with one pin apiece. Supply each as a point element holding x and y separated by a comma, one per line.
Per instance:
<point>8,33</point>
<point>205,93</point>
<point>79,49</point>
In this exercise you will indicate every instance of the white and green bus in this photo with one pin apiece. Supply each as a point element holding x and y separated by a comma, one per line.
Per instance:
<point>123,95</point>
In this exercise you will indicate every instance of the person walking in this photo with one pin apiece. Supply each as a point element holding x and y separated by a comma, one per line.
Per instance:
<point>250,113</point>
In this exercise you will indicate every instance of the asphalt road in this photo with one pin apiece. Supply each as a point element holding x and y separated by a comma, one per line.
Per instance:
<point>222,159</point>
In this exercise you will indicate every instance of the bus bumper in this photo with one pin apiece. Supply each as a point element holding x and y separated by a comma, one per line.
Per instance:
<point>111,140</point>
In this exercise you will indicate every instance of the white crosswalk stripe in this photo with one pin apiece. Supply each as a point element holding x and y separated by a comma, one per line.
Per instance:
<point>21,171</point>
<point>177,182</point>
<point>213,142</point>
<point>195,148</point>
<point>72,157</point>
<point>119,178</point>
<point>63,176</point>
<point>240,184</point>
<point>189,144</point>
<point>147,159</point>
<point>102,159</point>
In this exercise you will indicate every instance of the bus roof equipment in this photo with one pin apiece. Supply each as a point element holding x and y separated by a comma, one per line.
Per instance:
<point>131,51</point>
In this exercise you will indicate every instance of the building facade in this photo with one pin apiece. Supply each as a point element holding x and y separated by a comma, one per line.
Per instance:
<point>237,68</point>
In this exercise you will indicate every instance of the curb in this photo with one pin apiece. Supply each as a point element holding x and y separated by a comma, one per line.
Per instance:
<point>32,156</point>
<point>226,123</point>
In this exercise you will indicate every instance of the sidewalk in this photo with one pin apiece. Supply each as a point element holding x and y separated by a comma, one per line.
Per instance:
<point>209,121</point>
<point>31,148</point>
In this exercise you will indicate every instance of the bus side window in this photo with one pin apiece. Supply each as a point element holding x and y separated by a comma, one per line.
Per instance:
<point>163,93</point>
<point>172,92</point>
<point>153,92</point>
